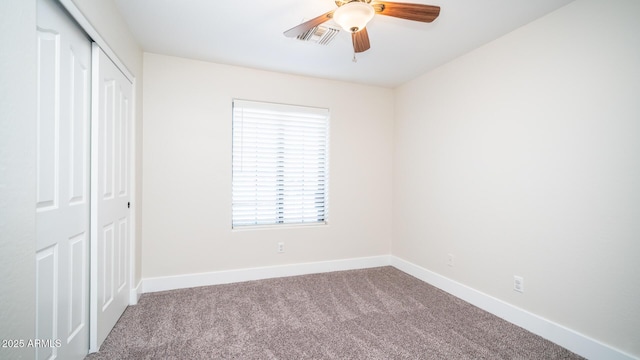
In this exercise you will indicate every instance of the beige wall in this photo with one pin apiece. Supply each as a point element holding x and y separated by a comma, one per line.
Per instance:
<point>523,158</point>
<point>518,158</point>
<point>17,174</point>
<point>187,169</point>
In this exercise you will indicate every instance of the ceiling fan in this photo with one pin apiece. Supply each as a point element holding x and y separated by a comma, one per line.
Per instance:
<point>353,16</point>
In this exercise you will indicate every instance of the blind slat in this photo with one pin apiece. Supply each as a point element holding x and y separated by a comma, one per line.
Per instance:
<point>280,164</point>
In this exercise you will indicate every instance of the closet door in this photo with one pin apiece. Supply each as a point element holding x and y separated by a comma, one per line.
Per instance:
<point>63,194</point>
<point>110,181</point>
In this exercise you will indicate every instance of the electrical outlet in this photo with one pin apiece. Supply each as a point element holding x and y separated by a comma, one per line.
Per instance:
<point>280,247</point>
<point>450,260</point>
<point>518,283</point>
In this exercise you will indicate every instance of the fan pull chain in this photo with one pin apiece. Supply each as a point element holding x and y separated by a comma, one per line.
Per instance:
<point>354,57</point>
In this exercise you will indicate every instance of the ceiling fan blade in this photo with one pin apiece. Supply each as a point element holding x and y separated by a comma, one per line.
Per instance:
<point>415,12</point>
<point>360,41</point>
<point>308,25</point>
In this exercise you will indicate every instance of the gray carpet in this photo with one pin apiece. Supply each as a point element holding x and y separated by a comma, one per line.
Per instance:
<point>379,313</point>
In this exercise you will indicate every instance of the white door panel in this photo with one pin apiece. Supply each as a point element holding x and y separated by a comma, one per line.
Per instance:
<point>112,93</point>
<point>62,200</point>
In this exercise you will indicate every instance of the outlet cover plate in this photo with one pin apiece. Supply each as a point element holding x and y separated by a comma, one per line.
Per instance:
<point>450,259</point>
<point>518,283</point>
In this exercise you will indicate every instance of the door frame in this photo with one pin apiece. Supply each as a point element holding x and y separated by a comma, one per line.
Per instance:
<point>135,290</point>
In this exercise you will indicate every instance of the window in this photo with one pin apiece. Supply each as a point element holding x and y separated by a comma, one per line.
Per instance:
<point>280,164</point>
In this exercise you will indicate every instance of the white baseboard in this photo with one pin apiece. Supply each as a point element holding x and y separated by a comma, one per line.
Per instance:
<point>135,293</point>
<point>232,276</point>
<point>563,336</point>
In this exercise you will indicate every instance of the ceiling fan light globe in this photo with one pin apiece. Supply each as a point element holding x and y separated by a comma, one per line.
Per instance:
<point>353,16</point>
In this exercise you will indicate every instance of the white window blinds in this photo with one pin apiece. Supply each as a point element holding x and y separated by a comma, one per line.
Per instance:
<point>280,164</point>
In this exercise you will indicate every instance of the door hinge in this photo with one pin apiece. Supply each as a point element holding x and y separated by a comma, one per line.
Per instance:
<point>128,204</point>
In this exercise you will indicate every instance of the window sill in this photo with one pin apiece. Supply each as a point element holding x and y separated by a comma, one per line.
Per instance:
<point>278,227</point>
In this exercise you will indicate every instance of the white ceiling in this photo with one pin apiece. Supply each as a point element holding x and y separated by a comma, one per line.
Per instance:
<point>249,33</point>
